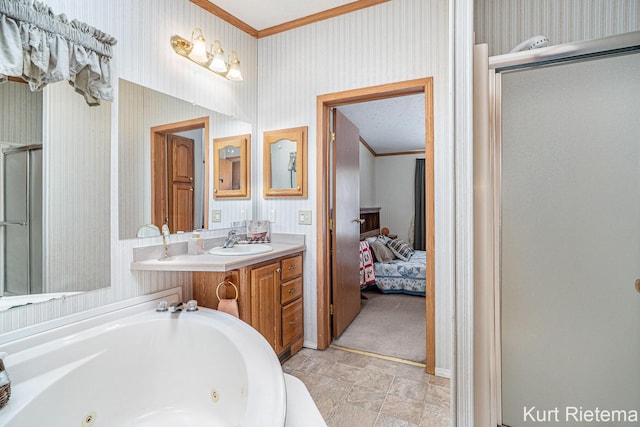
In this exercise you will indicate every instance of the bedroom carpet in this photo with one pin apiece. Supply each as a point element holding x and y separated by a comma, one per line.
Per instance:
<point>390,325</point>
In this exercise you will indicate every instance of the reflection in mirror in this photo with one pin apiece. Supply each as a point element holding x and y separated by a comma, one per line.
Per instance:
<point>177,185</point>
<point>148,230</point>
<point>283,164</point>
<point>285,161</point>
<point>146,118</point>
<point>231,170</point>
<point>229,179</point>
<point>54,192</point>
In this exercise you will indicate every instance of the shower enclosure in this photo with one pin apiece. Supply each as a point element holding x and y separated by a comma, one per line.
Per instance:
<point>21,222</point>
<point>558,235</point>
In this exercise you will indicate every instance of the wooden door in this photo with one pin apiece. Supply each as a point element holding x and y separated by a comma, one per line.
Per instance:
<point>265,302</point>
<point>180,178</point>
<point>346,226</point>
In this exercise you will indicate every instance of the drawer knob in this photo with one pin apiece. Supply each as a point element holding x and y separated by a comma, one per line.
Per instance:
<point>278,270</point>
<point>294,321</point>
<point>292,291</point>
<point>292,267</point>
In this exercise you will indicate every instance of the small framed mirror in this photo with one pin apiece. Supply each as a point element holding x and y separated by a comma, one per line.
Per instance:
<point>231,168</point>
<point>285,163</point>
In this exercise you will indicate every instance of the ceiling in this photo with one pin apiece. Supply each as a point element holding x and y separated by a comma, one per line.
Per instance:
<point>262,14</point>
<point>389,125</point>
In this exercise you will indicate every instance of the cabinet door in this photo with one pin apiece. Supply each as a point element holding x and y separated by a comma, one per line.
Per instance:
<point>265,301</point>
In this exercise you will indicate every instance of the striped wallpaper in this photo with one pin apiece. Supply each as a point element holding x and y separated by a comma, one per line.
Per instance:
<point>503,24</point>
<point>394,41</point>
<point>283,75</point>
<point>20,126</point>
<point>143,55</point>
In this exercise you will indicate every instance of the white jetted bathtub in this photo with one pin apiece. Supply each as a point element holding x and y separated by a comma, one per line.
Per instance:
<point>201,368</point>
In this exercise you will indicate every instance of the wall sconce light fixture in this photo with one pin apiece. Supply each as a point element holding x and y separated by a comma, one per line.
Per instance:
<point>213,60</point>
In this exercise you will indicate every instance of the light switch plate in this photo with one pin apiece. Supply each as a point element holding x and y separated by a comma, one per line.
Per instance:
<point>272,215</point>
<point>216,215</point>
<point>304,217</point>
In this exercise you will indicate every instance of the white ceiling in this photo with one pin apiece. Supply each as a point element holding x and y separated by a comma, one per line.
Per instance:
<point>261,14</point>
<point>388,125</point>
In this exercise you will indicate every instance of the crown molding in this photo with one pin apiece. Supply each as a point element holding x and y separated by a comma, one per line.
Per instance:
<point>316,17</point>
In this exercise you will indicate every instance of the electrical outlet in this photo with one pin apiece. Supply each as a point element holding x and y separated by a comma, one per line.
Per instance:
<point>272,215</point>
<point>304,217</point>
<point>216,215</point>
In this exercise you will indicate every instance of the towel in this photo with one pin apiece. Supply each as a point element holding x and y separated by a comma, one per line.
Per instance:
<point>229,306</point>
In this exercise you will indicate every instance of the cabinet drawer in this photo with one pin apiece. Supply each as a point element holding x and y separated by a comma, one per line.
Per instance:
<point>291,267</point>
<point>291,322</point>
<point>290,290</point>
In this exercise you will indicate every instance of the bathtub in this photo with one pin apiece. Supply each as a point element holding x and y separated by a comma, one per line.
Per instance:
<point>139,367</point>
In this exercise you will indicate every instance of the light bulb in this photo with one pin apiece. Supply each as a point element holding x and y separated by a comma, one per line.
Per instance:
<point>198,51</point>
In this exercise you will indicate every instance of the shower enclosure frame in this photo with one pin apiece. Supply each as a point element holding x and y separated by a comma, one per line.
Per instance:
<point>488,220</point>
<point>32,220</point>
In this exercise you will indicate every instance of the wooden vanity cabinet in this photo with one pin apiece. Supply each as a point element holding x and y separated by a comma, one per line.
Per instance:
<point>276,303</point>
<point>270,299</point>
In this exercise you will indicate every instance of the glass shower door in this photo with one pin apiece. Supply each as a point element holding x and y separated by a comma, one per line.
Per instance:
<point>570,243</point>
<point>22,220</point>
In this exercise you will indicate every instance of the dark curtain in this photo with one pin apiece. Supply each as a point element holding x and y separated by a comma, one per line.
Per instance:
<point>419,231</point>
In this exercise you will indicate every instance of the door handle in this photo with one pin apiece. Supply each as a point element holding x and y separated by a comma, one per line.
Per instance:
<point>3,223</point>
<point>359,220</point>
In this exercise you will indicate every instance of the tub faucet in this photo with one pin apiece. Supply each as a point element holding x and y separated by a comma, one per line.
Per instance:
<point>232,239</point>
<point>175,307</point>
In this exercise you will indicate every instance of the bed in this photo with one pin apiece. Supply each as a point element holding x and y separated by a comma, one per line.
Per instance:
<point>392,276</point>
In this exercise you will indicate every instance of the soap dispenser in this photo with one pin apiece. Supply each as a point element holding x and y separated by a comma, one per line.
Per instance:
<point>195,245</point>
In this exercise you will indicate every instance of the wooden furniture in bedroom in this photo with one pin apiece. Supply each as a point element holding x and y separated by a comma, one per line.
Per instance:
<point>370,225</point>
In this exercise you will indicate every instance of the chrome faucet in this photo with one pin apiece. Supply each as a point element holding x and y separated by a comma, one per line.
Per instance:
<point>175,307</point>
<point>165,235</point>
<point>232,239</point>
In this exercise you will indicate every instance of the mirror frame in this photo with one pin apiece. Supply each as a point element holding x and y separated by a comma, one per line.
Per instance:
<point>244,143</point>
<point>299,136</point>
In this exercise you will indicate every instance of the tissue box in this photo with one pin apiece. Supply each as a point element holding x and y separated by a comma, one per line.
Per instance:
<point>258,231</point>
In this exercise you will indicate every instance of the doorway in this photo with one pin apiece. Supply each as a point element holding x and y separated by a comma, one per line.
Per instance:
<point>324,105</point>
<point>179,174</point>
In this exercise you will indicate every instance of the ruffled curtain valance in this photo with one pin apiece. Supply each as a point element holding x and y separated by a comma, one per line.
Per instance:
<point>41,48</point>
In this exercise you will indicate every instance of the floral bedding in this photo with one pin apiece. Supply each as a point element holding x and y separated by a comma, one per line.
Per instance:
<point>399,276</point>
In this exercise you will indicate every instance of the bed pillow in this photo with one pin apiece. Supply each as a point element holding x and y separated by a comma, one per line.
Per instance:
<point>381,252</point>
<point>370,240</point>
<point>383,239</point>
<point>400,249</point>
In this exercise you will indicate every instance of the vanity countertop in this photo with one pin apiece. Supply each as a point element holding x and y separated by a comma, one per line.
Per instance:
<point>208,262</point>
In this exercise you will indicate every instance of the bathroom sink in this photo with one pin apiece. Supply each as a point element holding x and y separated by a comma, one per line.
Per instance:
<point>247,249</point>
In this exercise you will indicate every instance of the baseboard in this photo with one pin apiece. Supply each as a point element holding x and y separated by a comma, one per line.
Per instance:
<point>440,372</point>
<point>310,344</point>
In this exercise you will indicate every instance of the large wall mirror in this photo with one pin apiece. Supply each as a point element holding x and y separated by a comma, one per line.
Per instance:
<point>285,163</point>
<point>165,162</point>
<point>55,192</point>
<point>232,167</point>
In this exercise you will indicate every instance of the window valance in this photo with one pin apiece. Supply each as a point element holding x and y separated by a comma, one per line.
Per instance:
<point>41,48</point>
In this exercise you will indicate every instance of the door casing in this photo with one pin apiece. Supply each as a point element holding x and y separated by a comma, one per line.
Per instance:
<point>323,106</point>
